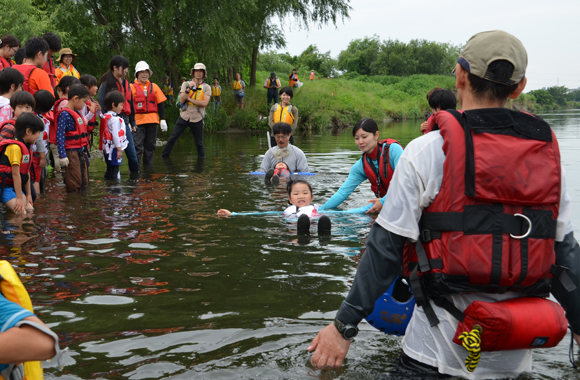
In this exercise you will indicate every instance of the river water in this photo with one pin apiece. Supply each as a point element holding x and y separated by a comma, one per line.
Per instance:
<point>141,280</point>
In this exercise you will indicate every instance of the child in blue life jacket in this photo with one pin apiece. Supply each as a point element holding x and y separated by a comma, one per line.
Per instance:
<point>113,134</point>
<point>15,163</point>
<point>300,198</point>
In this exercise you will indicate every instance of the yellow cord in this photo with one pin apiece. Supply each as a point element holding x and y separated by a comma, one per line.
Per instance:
<point>472,343</point>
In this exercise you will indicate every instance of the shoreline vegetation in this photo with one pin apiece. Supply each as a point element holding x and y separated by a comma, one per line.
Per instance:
<point>342,101</point>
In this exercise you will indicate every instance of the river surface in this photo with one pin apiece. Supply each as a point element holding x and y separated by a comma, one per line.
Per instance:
<point>141,280</point>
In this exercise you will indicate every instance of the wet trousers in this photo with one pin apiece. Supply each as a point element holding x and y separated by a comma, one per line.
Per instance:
<point>145,140</point>
<point>76,174</point>
<point>180,126</point>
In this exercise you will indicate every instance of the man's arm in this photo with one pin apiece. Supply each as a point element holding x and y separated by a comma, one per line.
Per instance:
<point>301,162</point>
<point>379,267</point>
<point>568,255</point>
<point>22,344</point>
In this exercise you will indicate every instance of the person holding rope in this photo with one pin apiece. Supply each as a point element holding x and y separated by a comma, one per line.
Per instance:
<point>482,245</point>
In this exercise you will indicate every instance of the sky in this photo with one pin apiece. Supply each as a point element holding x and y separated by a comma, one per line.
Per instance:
<point>550,30</point>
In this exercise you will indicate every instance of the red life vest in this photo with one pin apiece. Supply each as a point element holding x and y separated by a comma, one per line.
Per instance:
<point>50,70</point>
<point>491,227</point>
<point>54,121</point>
<point>79,137</point>
<point>142,103</point>
<point>126,91</point>
<point>91,124</point>
<point>380,183</point>
<point>6,168</point>
<point>26,70</point>
<point>5,63</point>
<point>105,134</point>
<point>7,130</point>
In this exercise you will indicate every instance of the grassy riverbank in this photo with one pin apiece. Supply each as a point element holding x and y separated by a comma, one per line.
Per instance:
<point>326,103</point>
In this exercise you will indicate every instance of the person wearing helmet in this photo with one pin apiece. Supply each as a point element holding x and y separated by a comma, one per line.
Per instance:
<point>195,94</point>
<point>272,84</point>
<point>149,103</point>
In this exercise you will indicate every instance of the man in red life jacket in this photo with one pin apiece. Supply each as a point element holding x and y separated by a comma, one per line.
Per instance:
<point>479,238</point>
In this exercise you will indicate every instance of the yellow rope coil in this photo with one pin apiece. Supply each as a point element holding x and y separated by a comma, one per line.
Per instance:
<point>472,343</point>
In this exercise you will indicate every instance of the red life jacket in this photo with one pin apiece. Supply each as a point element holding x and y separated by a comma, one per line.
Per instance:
<point>6,168</point>
<point>126,91</point>
<point>491,227</point>
<point>5,63</point>
<point>50,70</point>
<point>7,130</point>
<point>105,134</point>
<point>79,137</point>
<point>91,124</point>
<point>26,70</point>
<point>54,121</point>
<point>142,103</point>
<point>380,183</point>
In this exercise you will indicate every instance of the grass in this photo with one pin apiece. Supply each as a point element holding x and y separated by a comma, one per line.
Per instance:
<point>337,102</point>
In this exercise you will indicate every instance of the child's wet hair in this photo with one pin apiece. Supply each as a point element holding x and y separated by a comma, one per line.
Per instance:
<point>292,183</point>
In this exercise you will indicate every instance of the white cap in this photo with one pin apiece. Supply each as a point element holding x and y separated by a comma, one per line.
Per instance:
<point>142,66</point>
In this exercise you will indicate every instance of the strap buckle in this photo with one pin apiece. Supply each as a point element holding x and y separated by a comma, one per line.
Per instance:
<point>529,227</point>
<point>426,236</point>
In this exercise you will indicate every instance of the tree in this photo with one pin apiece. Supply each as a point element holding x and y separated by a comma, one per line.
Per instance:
<point>23,20</point>
<point>559,94</point>
<point>312,59</point>
<point>360,55</point>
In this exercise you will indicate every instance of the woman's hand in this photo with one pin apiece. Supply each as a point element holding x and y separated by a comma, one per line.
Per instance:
<point>377,206</point>
<point>224,212</point>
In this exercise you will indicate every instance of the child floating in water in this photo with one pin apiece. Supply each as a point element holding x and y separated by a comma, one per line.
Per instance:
<point>300,198</point>
<point>280,171</point>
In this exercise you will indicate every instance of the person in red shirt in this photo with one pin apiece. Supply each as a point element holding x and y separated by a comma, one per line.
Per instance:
<point>34,77</point>
<point>54,45</point>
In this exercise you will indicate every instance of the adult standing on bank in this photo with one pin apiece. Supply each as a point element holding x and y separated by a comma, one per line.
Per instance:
<point>54,45</point>
<point>239,91</point>
<point>293,78</point>
<point>216,95</point>
<point>9,45</point>
<point>272,84</point>
<point>472,235</point>
<point>196,93</point>
<point>66,68</point>
<point>312,74</point>
<point>283,113</point>
<point>112,80</point>
<point>149,103</point>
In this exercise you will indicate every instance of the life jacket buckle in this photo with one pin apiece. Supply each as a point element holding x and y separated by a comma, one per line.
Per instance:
<point>529,227</point>
<point>426,236</point>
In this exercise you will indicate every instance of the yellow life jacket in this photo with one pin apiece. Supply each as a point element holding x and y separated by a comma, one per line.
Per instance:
<point>11,287</point>
<point>237,85</point>
<point>72,72</point>
<point>215,91</point>
<point>283,114</point>
<point>197,96</point>
<point>270,82</point>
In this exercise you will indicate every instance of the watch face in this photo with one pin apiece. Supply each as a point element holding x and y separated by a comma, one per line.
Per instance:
<point>350,332</point>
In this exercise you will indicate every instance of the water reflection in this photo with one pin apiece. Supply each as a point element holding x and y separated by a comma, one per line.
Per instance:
<point>142,281</point>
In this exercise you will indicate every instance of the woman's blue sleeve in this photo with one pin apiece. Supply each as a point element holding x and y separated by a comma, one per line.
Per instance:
<point>358,210</point>
<point>355,177</point>
<point>11,313</point>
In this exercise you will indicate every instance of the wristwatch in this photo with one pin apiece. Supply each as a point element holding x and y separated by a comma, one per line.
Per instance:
<point>347,331</point>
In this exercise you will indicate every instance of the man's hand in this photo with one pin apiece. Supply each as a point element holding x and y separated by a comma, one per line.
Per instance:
<point>377,206</point>
<point>330,348</point>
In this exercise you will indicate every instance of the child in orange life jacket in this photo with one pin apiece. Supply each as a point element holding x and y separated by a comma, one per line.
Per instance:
<point>11,81</point>
<point>62,92</point>
<point>44,103</point>
<point>72,139</point>
<point>113,134</point>
<point>15,163</point>
<point>20,103</point>
<point>92,108</point>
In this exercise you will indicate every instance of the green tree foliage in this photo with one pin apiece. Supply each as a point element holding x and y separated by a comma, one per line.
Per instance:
<point>310,59</point>
<point>560,94</point>
<point>370,56</point>
<point>23,19</point>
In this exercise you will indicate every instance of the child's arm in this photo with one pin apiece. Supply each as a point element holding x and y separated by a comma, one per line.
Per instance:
<point>63,125</point>
<point>224,212</point>
<point>42,160</point>
<point>28,193</point>
<point>20,201</point>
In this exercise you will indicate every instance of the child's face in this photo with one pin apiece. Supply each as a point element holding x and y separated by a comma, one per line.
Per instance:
<point>117,108</point>
<point>29,137</point>
<point>300,195</point>
<point>21,108</point>
<point>93,90</point>
<point>77,103</point>
<point>280,165</point>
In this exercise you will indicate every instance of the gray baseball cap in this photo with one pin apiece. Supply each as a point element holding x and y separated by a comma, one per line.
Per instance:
<point>486,47</point>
